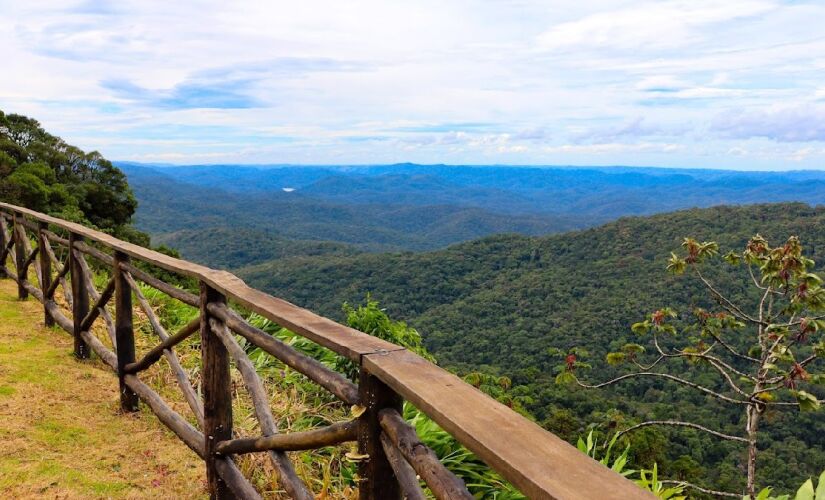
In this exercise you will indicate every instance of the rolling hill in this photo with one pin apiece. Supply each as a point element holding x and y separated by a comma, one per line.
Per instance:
<point>499,303</point>
<point>336,209</point>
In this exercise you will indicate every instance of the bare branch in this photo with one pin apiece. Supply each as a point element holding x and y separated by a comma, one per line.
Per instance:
<point>718,364</point>
<point>727,377</point>
<point>727,366</point>
<point>665,376</point>
<point>759,286</point>
<point>699,488</point>
<point>724,302</point>
<point>731,349</point>
<point>679,423</point>
<point>650,366</point>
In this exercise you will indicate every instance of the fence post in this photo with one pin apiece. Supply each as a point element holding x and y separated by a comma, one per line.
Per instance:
<point>45,271</point>
<point>20,256</point>
<point>378,481</point>
<point>217,392</point>
<point>3,243</point>
<point>124,332</point>
<point>80,303</point>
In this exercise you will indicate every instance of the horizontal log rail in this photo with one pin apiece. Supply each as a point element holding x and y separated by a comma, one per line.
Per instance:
<point>331,435</point>
<point>330,380</point>
<point>392,460</point>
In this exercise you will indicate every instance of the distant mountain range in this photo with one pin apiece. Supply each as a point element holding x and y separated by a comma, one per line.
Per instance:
<point>277,211</point>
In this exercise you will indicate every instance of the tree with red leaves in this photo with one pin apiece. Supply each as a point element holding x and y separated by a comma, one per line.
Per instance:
<point>764,355</point>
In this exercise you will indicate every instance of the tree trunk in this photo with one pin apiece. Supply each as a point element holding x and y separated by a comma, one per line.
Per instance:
<point>753,413</point>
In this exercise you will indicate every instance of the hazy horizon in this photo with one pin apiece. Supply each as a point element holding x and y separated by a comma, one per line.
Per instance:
<point>472,165</point>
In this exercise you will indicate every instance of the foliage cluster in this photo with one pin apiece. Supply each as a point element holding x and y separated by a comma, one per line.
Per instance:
<point>496,305</point>
<point>41,171</point>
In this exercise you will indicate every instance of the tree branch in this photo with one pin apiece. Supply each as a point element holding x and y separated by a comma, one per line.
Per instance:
<point>699,488</point>
<point>731,349</point>
<point>650,366</point>
<point>724,302</point>
<point>712,360</point>
<point>679,423</point>
<point>756,282</point>
<point>665,376</point>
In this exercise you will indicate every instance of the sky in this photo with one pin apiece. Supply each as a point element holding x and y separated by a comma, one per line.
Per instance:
<point>714,84</point>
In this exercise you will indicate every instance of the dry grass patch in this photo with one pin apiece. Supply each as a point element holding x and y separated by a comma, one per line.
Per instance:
<point>63,433</point>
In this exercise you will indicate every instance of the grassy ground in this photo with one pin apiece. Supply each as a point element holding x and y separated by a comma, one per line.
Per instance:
<point>62,433</point>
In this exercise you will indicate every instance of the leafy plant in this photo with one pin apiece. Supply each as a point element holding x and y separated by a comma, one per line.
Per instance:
<point>761,359</point>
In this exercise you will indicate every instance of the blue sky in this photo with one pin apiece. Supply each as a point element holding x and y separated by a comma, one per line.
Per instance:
<point>721,84</point>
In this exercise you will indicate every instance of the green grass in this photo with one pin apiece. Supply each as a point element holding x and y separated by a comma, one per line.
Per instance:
<point>64,435</point>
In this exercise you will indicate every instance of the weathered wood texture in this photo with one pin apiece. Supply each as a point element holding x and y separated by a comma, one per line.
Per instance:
<point>156,352</point>
<point>95,295</point>
<point>234,479</point>
<point>540,464</point>
<point>290,481</point>
<point>331,435</point>
<point>404,473</point>
<point>192,437</point>
<point>20,256</point>
<point>45,271</point>
<point>181,375</point>
<point>100,302</point>
<point>377,476</point>
<point>170,290</point>
<point>5,244</point>
<point>64,269</point>
<point>329,379</point>
<point>80,294</point>
<point>443,483</point>
<point>217,393</point>
<point>124,331</point>
<point>535,461</point>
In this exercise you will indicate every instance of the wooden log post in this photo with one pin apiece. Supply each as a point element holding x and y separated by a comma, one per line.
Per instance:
<point>80,302</point>
<point>20,256</point>
<point>217,393</point>
<point>124,332</point>
<point>3,244</point>
<point>45,271</point>
<point>377,478</point>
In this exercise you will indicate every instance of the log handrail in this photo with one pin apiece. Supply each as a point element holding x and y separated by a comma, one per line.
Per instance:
<point>535,461</point>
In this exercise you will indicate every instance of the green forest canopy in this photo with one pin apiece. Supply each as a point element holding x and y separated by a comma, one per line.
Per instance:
<point>500,303</point>
<point>41,171</point>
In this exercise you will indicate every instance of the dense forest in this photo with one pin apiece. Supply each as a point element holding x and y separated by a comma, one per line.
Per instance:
<point>500,303</point>
<point>334,209</point>
<point>272,218</point>
<point>41,171</point>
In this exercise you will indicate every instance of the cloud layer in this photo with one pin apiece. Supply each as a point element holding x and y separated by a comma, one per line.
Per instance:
<point>675,83</point>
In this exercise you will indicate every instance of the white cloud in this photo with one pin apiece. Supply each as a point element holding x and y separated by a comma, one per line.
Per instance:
<point>648,26</point>
<point>664,82</point>
<point>780,123</point>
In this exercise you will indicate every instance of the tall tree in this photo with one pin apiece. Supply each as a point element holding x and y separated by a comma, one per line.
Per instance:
<point>42,172</point>
<point>763,355</point>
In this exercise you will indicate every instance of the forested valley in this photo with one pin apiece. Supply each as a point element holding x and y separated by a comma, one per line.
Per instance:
<point>490,304</point>
<point>501,304</point>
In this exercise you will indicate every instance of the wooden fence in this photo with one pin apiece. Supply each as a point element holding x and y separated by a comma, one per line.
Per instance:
<point>535,461</point>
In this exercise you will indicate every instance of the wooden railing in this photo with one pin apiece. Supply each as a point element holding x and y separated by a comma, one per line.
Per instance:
<point>535,461</point>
